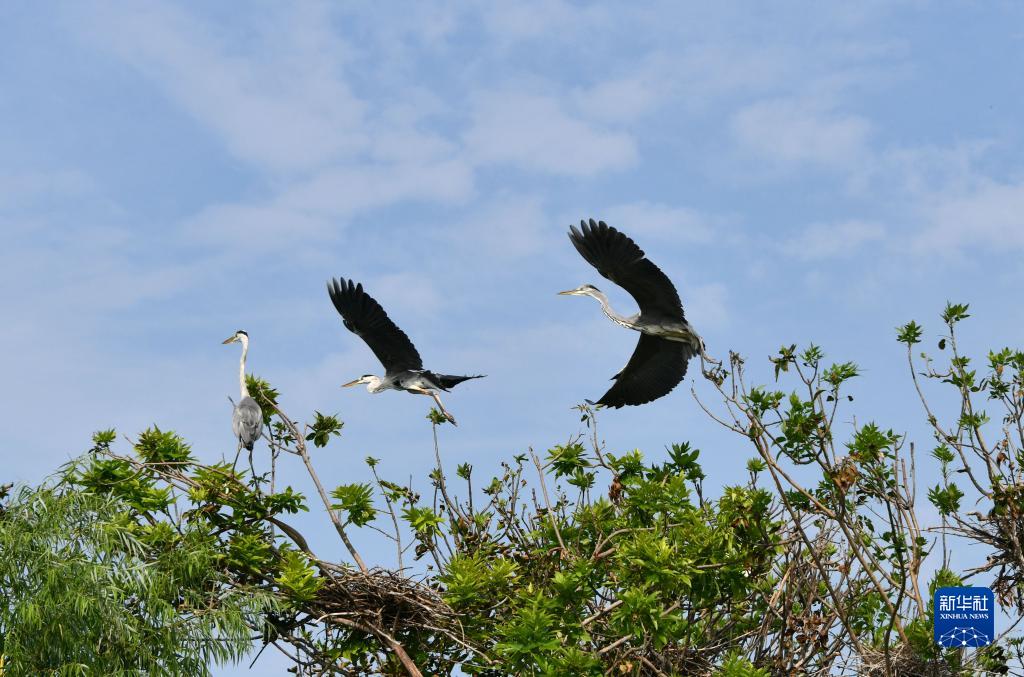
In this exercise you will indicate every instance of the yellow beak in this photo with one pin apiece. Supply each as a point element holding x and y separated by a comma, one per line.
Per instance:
<point>351,383</point>
<point>567,292</point>
<point>230,339</point>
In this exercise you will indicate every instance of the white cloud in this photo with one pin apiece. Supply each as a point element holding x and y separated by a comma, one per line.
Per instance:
<point>512,22</point>
<point>20,189</point>
<point>405,294</point>
<point>660,220</point>
<point>345,191</point>
<point>828,240</point>
<point>792,131</point>
<point>990,215</point>
<point>505,227</point>
<point>279,103</point>
<point>534,132</point>
<point>249,228</point>
<point>618,99</point>
<point>706,305</point>
<point>317,210</point>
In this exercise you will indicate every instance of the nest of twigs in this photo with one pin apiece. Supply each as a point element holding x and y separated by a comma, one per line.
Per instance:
<point>384,600</point>
<point>902,662</point>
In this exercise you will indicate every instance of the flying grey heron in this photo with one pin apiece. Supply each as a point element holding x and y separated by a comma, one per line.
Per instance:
<point>667,341</point>
<point>247,417</point>
<point>403,367</point>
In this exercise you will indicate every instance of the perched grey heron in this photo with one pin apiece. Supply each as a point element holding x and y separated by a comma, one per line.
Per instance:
<point>247,417</point>
<point>667,341</point>
<point>403,367</point>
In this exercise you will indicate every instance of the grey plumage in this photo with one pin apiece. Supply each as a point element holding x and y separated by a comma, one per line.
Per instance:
<point>247,422</point>
<point>667,341</point>
<point>403,366</point>
<point>246,417</point>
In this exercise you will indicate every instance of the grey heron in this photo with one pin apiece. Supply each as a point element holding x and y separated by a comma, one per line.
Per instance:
<point>403,367</point>
<point>247,417</point>
<point>667,340</point>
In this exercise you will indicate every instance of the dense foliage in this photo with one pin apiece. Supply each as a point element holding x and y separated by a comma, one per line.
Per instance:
<point>580,560</point>
<point>88,589</point>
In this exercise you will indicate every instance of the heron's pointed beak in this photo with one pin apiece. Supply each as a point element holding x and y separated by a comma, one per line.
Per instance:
<point>230,339</point>
<point>352,383</point>
<point>567,292</point>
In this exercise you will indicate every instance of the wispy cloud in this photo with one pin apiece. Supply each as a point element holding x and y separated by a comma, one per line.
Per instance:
<point>275,98</point>
<point>680,224</point>
<point>533,19</point>
<point>832,240</point>
<point>796,132</point>
<point>534,132</point>
<point>506,227</point>
<point>707,305</point>
<point>34,188</point>
<point>989,215</point>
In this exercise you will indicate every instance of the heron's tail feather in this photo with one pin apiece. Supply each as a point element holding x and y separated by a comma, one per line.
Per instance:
<point>447,381</point>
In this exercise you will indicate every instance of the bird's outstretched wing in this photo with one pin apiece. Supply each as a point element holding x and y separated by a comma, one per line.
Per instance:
<point>656,367</point>
<point>620,260</point>
<point>366,319</point>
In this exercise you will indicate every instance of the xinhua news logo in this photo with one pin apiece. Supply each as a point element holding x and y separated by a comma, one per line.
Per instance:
<point>964,617</point>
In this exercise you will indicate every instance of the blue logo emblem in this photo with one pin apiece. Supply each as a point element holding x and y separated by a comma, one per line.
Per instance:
<point>964,617</point>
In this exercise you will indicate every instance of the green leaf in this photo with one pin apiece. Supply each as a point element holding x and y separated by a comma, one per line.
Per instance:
<point>423,520</point>
<point>955,312</point>
<point>298,579</point>
<point>157,446</point>
<point>568,459</point>
<point>910,333</point>
<point>946,499</point>
<point>323,428</point>
<point>355,503</point>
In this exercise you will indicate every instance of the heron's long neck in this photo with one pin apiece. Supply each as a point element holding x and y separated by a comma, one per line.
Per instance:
<point>241,368</point>
<point>608,310</point>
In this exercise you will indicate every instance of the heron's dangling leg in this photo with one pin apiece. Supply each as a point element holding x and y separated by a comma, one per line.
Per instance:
<point>437,399</point>
<point>238,452</point>
<point>447,414</point>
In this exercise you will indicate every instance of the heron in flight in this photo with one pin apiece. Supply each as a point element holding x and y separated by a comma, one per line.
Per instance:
<point>247,417</point>
<point>667,341</point>
<point>403,367</point>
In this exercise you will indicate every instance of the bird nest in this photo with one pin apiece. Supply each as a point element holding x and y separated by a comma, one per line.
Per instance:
<point>902,661</point>
<point>385,600</point>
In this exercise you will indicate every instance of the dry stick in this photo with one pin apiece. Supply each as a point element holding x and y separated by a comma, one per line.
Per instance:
<point>593,428</point>
<point>392,643</point>
<point>968,404</point>
<point>775,468</point>
<point>621,640</point>
<point>911,486</point>
<point>652,666</point>
<point>855,547</point>
<point>943,435</point>
<point>300,447</point>
<point>452,506</point>
<point>547,502</point>
<point>910,520</point>
<point>394,519</point>
<point>614,645</point>
<point>774,471</point>
<point>611,607</point>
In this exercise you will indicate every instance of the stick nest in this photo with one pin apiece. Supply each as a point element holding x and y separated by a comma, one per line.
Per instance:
<point>386,600</point>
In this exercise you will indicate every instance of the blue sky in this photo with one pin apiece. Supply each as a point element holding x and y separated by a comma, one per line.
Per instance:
<point>171,172</point>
